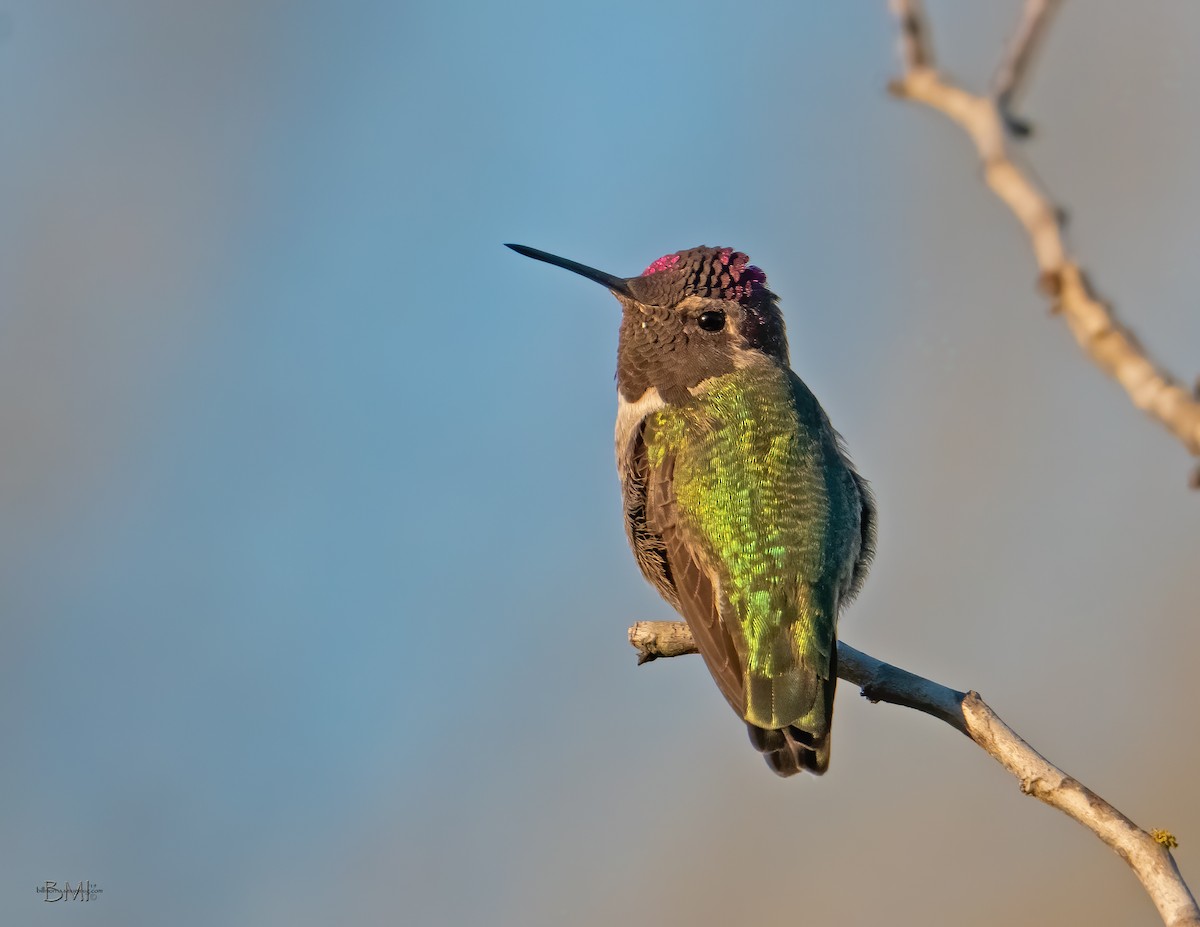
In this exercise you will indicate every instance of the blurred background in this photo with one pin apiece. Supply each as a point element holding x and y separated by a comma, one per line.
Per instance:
<point>313,583</point>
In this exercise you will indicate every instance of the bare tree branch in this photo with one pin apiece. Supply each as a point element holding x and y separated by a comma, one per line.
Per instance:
<point>1017,61</point>
<point>1147,854</point>
<point>1110,345</point>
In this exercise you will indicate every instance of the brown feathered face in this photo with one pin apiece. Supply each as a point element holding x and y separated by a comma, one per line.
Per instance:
<point>692,315</point>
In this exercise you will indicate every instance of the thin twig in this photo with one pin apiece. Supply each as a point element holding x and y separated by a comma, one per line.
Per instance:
<point>1147,854</point>
<point>1111,346</point>
<point>915,49</point>
<point>1017,61</point>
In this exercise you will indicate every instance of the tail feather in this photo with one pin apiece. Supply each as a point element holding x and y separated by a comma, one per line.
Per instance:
<point>792,749</point>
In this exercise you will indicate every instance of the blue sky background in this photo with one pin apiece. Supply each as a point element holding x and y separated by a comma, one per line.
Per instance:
<point>313,585</point>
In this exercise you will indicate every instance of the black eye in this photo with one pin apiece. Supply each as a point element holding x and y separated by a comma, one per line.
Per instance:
<point>711,320</point>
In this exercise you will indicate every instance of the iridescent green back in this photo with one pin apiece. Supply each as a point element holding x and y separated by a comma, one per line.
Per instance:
<point>772,510</point>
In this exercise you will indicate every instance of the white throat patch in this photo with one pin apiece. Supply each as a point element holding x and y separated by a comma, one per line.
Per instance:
<point>631,414</point>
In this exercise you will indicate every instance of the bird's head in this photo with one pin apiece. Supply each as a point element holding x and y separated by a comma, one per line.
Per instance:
<point>689,316</point>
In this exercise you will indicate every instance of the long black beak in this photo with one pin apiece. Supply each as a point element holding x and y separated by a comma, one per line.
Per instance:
<point>616,284</point>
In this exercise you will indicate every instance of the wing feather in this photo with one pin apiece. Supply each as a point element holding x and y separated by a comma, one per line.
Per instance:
<point>698,587</point>
<point>669,556</point>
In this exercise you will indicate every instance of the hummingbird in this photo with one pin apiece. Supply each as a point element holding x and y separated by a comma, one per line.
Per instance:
<point>741,504</point>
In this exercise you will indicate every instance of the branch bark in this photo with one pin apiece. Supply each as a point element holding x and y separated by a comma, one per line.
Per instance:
<point>1110,345</point>
<point>1148,855</point>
